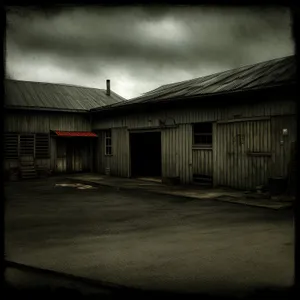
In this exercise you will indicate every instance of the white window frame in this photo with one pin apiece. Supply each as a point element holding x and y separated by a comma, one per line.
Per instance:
<point>107,146</point>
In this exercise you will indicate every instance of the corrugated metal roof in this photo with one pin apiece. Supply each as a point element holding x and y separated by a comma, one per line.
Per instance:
<point>261,75</point>
<point>38,95</point>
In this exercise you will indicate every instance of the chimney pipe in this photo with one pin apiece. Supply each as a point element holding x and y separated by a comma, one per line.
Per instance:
<point>108,87</point>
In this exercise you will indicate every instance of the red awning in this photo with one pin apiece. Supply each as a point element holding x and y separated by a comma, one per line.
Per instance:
<point>76,133</point>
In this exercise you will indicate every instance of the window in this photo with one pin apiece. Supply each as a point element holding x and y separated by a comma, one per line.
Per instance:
<point>42,145</point>
<point>203,134</point>
<point>11,142</point>
<point>17,145</point>
<point>108,148</point>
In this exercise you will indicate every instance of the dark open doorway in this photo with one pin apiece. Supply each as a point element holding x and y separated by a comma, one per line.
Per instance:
<point>145,152</point>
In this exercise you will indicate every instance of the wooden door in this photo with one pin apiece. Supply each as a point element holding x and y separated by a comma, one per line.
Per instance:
<point>69,155</point>
<point>243,153</point>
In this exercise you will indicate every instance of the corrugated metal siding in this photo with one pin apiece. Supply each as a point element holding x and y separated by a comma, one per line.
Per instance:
<point>281,153</point>
<point>236,168</point>
<point>203,162</point>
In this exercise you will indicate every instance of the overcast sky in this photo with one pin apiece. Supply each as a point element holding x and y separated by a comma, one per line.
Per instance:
<point>138,48</point>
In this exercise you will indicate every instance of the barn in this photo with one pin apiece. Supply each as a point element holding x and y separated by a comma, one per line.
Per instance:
<point>235,128</point>
<point>48,126</point>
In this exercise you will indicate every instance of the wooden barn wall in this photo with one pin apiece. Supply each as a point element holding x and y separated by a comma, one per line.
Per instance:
<point>180,159</point>
<point>116,164</point>
<point>120,152</point>
<point>170,152</point>
<point>43,122</point>
<point>243,154</point>
<point>194,115</point>
<point>203,162</point>
<point>177,157</point>
<point>281,145</point>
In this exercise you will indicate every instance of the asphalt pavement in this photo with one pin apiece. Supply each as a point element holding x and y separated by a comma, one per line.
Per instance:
<point>148,241</point>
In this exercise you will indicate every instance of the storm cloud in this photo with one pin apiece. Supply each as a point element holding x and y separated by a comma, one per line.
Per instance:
<point>140,48</point>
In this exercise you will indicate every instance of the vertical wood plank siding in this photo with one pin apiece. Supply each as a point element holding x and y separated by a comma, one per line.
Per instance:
<point>194,115</point>
<point>184,150</point>
<point>228,162</point>
<point>43,122</point>
<point>281,152</point>
<point>118,162</point>
<point>242,154</point>
<point>203,162</point>
<point>120,149</point>
<point>169,152</point>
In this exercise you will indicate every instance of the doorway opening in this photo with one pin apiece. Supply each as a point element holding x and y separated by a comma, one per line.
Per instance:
<point>145,154</point>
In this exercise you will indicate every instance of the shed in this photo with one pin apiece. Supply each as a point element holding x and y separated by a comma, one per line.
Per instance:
<point>233,128</point>
<point>48,126</point>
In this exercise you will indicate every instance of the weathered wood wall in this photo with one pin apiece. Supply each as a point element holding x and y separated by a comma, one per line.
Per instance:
<point>203,161</point>
<point>281,145</point>
<point>43,122</point>
<point>243,153</point>
<point>28,121</point>
<point>177,158</point>
<point>227,162</point>
<point>197,114</point>
<point>116,164</point>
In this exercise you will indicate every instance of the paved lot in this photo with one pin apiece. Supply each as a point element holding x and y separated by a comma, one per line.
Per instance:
<point>150,241</point>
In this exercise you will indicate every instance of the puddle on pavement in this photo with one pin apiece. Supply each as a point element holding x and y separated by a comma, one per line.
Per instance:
<point>78,186</point>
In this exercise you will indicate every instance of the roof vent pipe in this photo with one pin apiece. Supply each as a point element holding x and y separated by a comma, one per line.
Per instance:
<point>108,87</point>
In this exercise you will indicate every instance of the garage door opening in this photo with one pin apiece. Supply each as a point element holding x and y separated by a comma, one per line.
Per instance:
<point>145,154</point>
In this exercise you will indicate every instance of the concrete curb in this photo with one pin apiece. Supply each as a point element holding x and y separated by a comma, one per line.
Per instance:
<point>274,206</point>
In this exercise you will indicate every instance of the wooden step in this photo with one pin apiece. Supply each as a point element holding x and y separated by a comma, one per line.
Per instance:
<point>28,171</point>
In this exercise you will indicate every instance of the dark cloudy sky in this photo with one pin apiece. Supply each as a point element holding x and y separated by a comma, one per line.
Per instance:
<point>138,48</point>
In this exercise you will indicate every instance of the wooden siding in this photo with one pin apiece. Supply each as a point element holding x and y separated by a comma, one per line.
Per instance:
<point>118,163</point>
<point>120,148</point>
<point>203,162</point>
<point>197,114</point>
<point>169,152</point>
<point>281,152</point>
<point>44,122</point>
<point>177,153</point>
<point>53,153</point>
<point>229,162</point>
<point>243,154</point>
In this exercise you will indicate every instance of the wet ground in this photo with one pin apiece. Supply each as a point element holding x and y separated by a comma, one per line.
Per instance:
<point>146,240</point>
